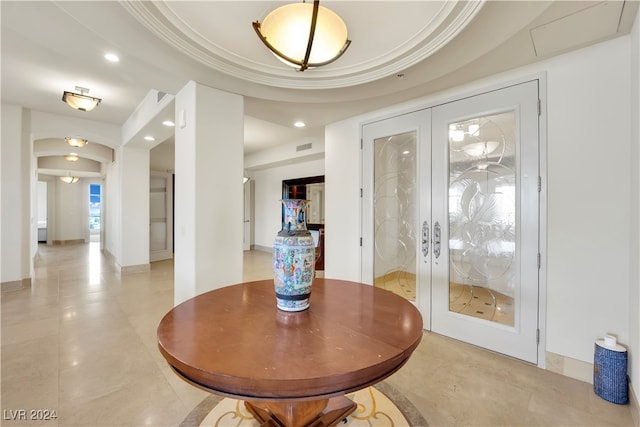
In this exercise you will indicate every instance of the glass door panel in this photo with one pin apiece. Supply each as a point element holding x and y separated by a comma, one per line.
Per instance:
<point>395,207</point>
<point>482,217</point>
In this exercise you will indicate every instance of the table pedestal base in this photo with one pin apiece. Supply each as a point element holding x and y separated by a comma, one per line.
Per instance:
<point>312,413</point>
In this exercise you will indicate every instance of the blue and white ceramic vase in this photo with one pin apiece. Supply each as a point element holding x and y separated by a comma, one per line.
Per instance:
<point>293,258</point>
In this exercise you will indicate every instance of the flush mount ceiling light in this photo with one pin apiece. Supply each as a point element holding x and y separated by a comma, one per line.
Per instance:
<point>304,35</point>
<point>80,101</point>
<point>72,157</point>
<point>69,179</point>
<point>111,57</point>
<point>76,142</point>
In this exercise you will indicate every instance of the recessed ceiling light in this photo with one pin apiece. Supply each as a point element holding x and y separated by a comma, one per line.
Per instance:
<point>299,124</point>
<point>111,57</point>
<point>149,138</point>
<point>168,123</point>
<point>72,157</point>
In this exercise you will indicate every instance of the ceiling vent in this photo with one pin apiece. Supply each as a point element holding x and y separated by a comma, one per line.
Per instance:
<point>592,24</point>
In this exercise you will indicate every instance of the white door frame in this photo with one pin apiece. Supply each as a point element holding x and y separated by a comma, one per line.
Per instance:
<point>366,255</point>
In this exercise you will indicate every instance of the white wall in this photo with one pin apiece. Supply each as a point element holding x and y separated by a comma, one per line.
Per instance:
<point>15,194</point>
<point>634,288</point>
<point>268,193</point>
<point>588,198</point>
<point>208,192</point>
<point>163,157</point>
<point>112,216</point>
<point>588,192</point>
<point>70,219</point>
<point>134,207</point>
<point>42,201</point>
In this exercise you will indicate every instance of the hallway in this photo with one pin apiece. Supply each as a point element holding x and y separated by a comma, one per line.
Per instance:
<point>82,342</point>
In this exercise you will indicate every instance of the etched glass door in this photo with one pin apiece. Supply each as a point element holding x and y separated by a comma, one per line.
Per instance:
<point>450,209</point>
<point>485,192</point>
<point>391,205</point>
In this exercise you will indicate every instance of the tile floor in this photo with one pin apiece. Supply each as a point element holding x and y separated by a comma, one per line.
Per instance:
<point>81,342</point>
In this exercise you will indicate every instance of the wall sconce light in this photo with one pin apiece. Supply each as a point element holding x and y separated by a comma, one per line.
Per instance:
<point>72,157</point>
<point>76,142</point>
<point>69,179</point>
<point>80,101</point>
<point>304,35</point>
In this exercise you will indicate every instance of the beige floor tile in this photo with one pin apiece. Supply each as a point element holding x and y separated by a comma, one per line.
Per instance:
<point>82,341</point>
<point>29,381</point>
<point>29,330</point>
<point>149,401</point>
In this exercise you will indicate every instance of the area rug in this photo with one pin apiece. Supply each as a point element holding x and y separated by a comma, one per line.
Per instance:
<point>377,406</point>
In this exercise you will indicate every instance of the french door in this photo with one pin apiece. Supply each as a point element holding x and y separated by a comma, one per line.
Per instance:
<point>451,216</point>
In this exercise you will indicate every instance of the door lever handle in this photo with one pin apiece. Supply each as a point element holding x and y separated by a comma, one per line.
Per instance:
<point>436,239</point>
<point>425,238</point>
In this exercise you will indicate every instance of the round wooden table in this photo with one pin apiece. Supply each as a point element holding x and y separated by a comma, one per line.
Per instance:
<point>290,368</point>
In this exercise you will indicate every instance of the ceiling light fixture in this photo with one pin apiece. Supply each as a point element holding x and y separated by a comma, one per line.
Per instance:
<point>304,35</point>
<point>111,57</point>
<point>299,124</point>
<point>168,123</point>
<point>76,142</point>
<point>72,157</point>
<point>149,138</point>
<point>80,101</point>
<point>69,179</point>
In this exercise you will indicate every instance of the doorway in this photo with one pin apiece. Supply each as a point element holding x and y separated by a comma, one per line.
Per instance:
<point>451,216</point>
<point>160,216</point>
<point>43,209</point>
<point>312,189</point>
<point>95,209</point>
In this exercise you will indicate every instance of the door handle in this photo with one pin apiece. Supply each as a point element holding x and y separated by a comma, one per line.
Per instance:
<point>425,238</point>
<point>436,239</point>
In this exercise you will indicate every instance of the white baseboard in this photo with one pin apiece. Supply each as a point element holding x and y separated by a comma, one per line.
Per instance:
<point>634,406</point>
<point>15,285</point>
<point>67,242</point>
<point>569,367</point>
<point>132,269</point>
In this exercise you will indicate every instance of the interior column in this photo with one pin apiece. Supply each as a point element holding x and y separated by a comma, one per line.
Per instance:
<point>209,158</point>
<point>134,208</point>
